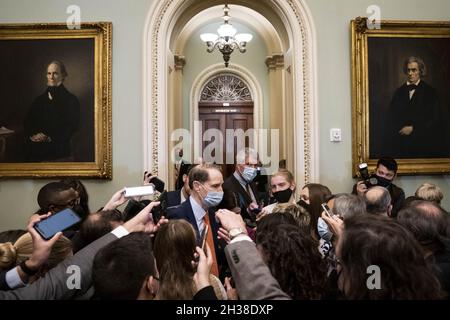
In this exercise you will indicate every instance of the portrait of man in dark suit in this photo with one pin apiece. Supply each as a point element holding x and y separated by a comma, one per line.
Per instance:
<point>408,98</point>
<point>415,128</point>
<point>49,101</point>
<point>52,119</point>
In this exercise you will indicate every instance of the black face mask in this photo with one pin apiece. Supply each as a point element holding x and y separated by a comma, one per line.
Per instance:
<point>305,205</point>
<point>283,196</point>
<point>383,182</point>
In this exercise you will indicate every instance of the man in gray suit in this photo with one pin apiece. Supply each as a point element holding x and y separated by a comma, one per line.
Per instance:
<point>252,277</point>
<point>71,279</point>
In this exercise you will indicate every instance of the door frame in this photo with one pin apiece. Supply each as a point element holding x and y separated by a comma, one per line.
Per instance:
<point>245,108</point>
<point>253,85</point>
<point>302,52</point>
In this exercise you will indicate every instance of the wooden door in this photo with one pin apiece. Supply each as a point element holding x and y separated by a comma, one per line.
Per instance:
<point>233,116</point>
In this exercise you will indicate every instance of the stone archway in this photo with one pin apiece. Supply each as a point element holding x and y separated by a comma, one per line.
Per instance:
<point>302,93</point>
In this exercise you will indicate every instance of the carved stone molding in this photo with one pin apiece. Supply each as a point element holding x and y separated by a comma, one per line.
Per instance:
<point>298,17</point>
<point>275,62</point>
<point>179,62</point>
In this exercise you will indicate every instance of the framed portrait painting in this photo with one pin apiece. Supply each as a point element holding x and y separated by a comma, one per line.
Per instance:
<point>400,95</point>
<point>55,89</point>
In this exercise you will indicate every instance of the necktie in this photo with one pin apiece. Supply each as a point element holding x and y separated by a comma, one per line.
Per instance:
<point>247,186</point>
<point>250,193</point>
<point>210,242</point>
<point>411,87</point>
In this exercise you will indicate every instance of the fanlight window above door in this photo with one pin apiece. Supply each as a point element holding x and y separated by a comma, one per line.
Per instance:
<point>225,88</point>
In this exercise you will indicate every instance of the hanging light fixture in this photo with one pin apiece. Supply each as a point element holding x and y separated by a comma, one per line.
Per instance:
<point>226,40</point>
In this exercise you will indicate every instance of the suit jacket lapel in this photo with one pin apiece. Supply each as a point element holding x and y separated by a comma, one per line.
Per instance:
<point>190,215</point>
<point>242,191</point>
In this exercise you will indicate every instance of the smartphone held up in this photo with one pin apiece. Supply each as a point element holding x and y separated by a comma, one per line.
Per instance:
<point>60,221</point>
<point>327,210</point>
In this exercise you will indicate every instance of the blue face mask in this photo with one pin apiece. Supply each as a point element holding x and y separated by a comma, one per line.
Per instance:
<point>213,198</point>
<point>249,174</point>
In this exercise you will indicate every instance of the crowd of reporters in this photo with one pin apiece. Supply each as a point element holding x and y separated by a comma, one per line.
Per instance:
<point>371,243</point>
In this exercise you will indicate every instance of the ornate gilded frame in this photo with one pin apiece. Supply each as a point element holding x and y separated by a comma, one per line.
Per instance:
<point>100,141</point>
<point>361,101</point>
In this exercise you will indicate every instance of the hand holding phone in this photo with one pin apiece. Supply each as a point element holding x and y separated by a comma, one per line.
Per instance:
<point>58,222</point>
<point>149,179</point>
<point>159,211</point>
<point>327,210</point>
<point>139,191</point>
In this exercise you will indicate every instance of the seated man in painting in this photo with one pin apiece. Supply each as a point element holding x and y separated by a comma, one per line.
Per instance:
<point>52,119</point>
<point>415,127</point>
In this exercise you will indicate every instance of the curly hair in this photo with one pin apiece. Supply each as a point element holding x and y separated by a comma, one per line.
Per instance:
<point>376,240</point>
<point>293,259</point>
<point>300,215</point>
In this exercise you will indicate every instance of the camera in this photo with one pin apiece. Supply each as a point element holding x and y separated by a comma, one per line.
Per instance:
<point>369,180</point>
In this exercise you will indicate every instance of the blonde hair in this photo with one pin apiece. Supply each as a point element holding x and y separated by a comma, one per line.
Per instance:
<point>12,255</point>
<point>7,255</point>
<point>284,173</point>
<point>430,192</point>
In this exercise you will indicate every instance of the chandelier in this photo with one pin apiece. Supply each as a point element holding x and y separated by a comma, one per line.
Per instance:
<point>226,40</point>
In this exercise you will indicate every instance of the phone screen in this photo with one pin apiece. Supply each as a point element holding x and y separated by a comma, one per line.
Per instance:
<point>55,223</point>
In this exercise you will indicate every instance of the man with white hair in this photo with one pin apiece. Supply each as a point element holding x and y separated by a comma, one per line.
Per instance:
<point>242,185</point>
<point>52,120</point>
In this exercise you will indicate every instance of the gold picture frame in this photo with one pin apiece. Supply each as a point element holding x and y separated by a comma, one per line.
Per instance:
<point>77,115</point>
<point>380,56</point>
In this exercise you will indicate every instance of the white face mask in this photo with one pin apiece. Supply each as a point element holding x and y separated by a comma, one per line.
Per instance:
<point>213,198</point>
<point>249,174</point>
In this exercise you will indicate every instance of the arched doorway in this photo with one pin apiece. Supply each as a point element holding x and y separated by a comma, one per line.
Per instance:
<point>226,104</point>
<point>292,21</point>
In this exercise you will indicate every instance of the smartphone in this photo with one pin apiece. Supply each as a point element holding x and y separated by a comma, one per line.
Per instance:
<point>55,223</point>
<point>158,183</point>
<point>159,211</point>
<point>202,242</point>
<point>256,210</point>
<point>139,191</point>
<point>327,210</point>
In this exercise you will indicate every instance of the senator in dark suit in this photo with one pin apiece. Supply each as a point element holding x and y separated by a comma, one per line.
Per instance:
<point>234,184</point>
<point>205,182</point>
<point>416,129</point>
<point>241,182</point>
<point>185,211</point>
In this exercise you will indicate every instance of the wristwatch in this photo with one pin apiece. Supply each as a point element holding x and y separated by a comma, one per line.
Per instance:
<point>26,270</point>
<point>235,232</point>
